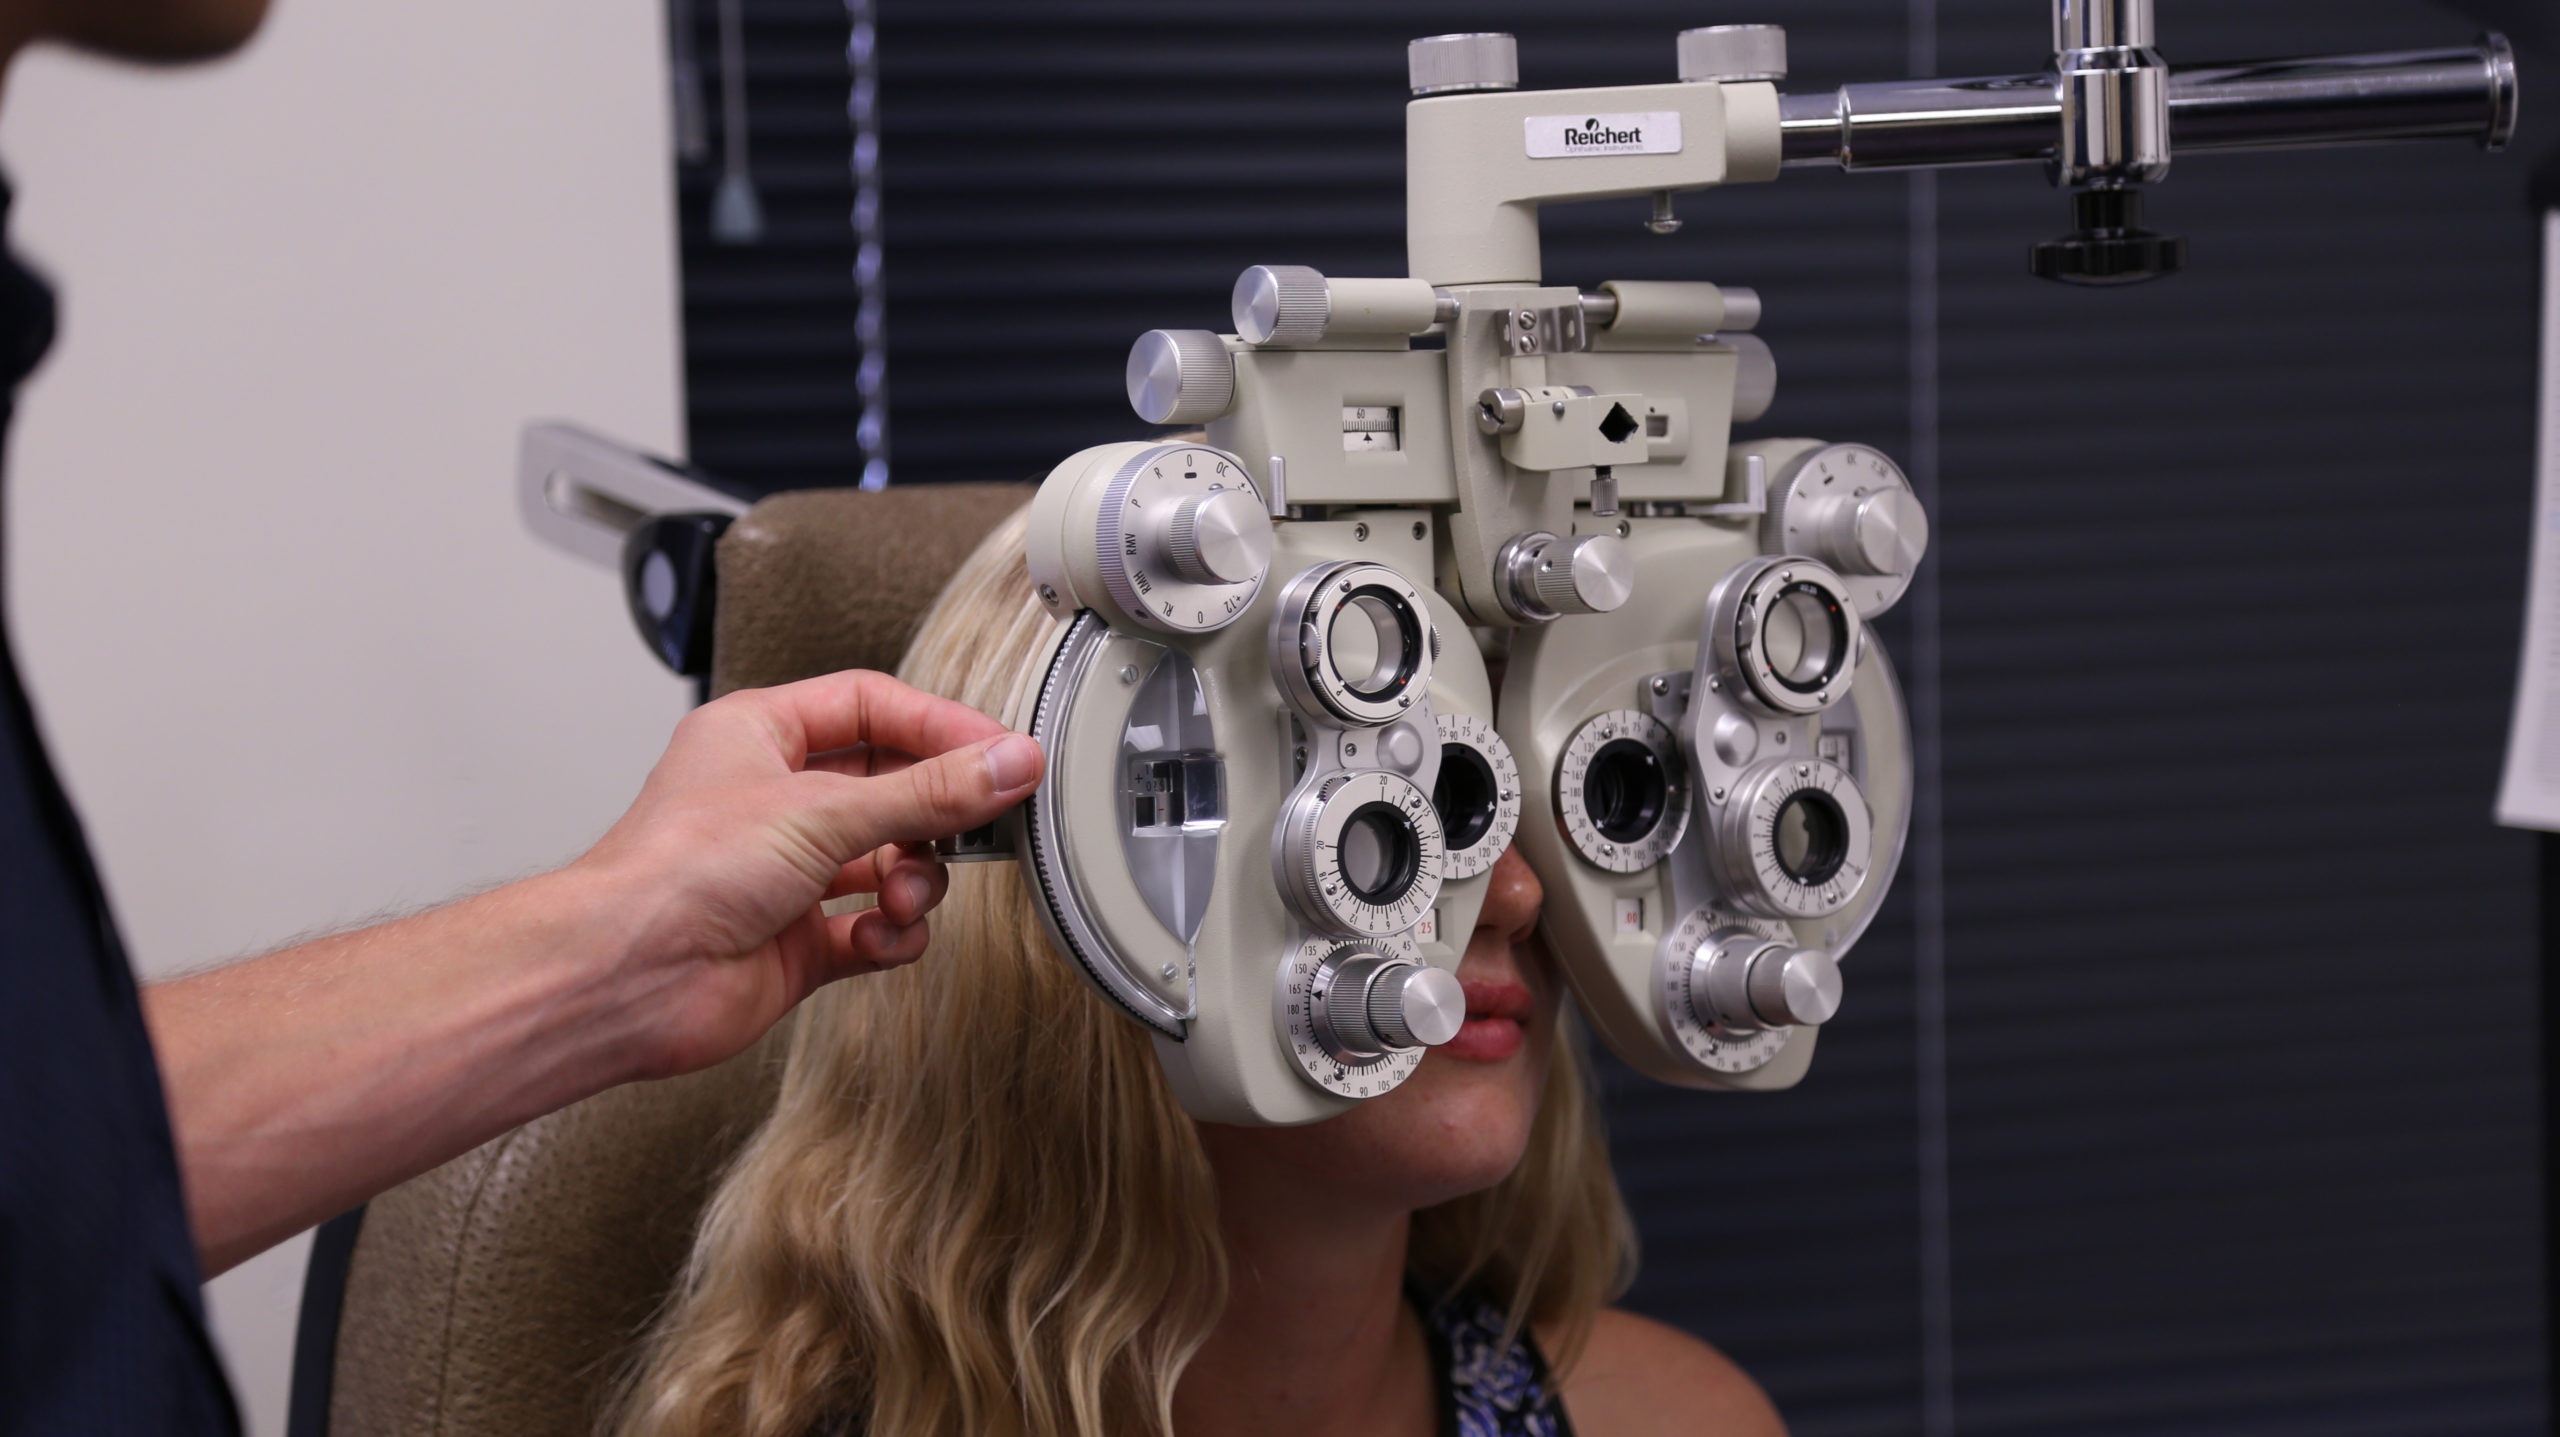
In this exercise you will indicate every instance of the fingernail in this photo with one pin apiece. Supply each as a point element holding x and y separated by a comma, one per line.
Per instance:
<point>917,893</point>
<point>1012,761</point>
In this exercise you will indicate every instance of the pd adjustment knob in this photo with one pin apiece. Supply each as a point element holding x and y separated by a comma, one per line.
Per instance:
<point>1284,305</point>
<point>1456,64</point>
<point>1219,538</point>
<point>1734,52</point>
<point>1743,981</point>
<point>1378,1006</point>
<point>1181,376</point>
<point>1546,577</point>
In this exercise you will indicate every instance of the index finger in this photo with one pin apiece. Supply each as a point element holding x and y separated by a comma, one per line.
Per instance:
<point>859,706</point>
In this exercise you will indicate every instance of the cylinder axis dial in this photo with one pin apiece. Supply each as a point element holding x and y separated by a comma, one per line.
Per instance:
<point>1356,1016</point>
<point>1183,541</point>
<point>1478,795</point>
<point>1622,791</point>
<point>1713,1044</point>
<point>1360,854</point>
<point>1794,839</point>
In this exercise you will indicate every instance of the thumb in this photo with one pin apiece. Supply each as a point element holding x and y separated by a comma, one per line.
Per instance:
<point>950,793</point>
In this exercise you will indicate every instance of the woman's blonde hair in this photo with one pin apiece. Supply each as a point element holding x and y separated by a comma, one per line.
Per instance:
<point>977,1209</point>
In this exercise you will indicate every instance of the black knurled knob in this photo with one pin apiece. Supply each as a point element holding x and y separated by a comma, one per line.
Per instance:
<point>2110,246</point>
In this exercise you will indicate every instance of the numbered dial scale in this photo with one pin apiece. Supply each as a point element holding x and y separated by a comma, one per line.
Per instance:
<point>1360,854</point>
<point>1716,1046</point>
<point>1306,1001</point>
<point>1478,795</point>
<point>1182,538</point>
<point>1622,790</point>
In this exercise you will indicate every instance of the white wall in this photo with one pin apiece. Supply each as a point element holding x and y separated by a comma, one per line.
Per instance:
<point>297,658</point>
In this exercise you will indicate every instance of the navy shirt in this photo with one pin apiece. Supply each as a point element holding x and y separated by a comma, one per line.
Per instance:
<point>101,1318</point>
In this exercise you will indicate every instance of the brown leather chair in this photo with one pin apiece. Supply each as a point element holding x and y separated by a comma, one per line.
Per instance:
<point>500,1293</point>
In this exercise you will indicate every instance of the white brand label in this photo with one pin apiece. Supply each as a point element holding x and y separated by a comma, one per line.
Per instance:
<point>1565,137</point>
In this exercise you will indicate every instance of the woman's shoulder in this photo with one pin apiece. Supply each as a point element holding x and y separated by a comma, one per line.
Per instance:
<point>1639,1376</point>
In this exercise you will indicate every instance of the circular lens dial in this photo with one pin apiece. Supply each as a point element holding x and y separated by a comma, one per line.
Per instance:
<point>1477,796</point>
<point>1353,643</point>
<point>1622,791</point>
<point>1356,1016</point>
<point>1794,840</point>
<point>1715,1045</point>
<point>1784,636</point>
<point>1361,856</point>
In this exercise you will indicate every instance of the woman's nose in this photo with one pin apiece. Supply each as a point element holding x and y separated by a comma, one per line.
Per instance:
<point>1512,900</point>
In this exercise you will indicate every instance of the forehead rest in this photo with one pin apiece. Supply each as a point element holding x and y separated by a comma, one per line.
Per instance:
<point>816,580</point>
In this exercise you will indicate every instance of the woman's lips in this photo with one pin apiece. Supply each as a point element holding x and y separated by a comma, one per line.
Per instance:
<point>1497,1014</point>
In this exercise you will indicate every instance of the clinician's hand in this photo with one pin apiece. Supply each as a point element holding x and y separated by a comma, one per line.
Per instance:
<point>769,801</point>
<point>306,1081</point>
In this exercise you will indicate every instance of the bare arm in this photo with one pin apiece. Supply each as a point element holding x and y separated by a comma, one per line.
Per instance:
<point>304,1082</point>
<point>1637,1376</point>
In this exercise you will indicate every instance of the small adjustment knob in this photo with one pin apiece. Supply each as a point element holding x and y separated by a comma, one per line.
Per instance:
<point>1456,64</point>
<point>1377,1005</point>
<point>1220,538</point>
<point>1743,981</point>
<point>1885,532</point>
<point>1590,575</point>
<point>1286,305</point>
<point>1734,53</point>
<point>1181,376</point>
<point>1411,1006</point>
<point>1794,987</point>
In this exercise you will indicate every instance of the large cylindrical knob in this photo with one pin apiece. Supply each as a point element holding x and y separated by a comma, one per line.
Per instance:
<point>1412,1006</point>
<point>1280,304</point>
<point>1593,574</point>
<point>1884,532</point>
<point>1181,376</point>
<point>1377,1005</point>
<point>1456,64</point>
<point>1742,980</point>
<point>1220,538</point>
<point>1733,53</point>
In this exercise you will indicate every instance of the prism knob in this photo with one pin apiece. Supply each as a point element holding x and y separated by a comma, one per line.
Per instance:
<point>1727,53</point>
<point>1457,64</point>
<point>1883,533</point>
<point>1181,376</point>
<point>1220,538</point>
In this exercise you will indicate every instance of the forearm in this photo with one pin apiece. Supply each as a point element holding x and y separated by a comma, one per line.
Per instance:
<point>303,1082</point>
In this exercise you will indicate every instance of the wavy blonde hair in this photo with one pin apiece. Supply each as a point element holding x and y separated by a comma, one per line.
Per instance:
<point>976,1208</point>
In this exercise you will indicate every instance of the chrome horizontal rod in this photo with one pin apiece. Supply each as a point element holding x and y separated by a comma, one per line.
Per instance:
<point>2461,93</point>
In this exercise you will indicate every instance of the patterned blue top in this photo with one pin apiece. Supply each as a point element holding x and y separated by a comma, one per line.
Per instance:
<point>1488,1388</point>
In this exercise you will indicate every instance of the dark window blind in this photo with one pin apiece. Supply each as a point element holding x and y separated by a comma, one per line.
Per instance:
<point>2237,1002</point>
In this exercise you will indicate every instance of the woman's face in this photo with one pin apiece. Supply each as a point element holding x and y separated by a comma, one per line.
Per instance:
<point>1461,1122</point>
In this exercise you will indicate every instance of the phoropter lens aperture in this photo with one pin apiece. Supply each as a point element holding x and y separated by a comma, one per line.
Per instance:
<point>1468,796</point>
<point>1804,637</point>
<point>1626,790</point>
<point>1379,855</point>
<point>1812,837</point>
<point>1374,642</point>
